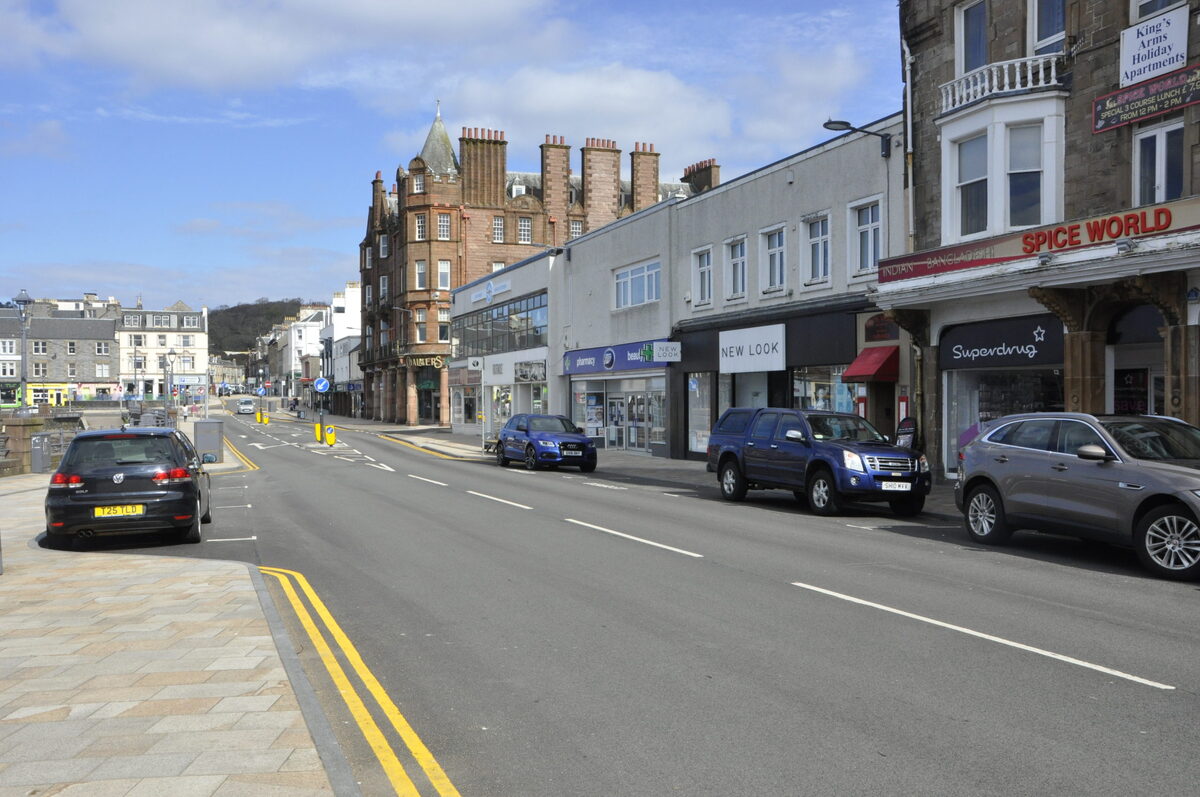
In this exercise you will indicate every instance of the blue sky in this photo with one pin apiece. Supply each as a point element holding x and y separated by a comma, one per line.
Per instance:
<point>219,151</point>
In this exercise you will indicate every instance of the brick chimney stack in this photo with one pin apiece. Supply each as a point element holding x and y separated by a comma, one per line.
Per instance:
<point>483,154</point>
<point>601,181</point>
<point>377,203</point>
<point>643,175</point>
<point>703,176</point>
<point>556,182</point>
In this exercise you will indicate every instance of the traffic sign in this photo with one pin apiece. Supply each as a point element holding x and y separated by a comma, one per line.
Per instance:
<point>224,385</point>
<point>262,391</point>
<point>267,383</point>
<point>321,385</point>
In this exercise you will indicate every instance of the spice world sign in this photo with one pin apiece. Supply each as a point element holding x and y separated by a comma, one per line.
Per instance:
<point>1172,217</point>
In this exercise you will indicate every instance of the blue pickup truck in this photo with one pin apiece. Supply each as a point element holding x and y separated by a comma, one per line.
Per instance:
<point>825,458</point>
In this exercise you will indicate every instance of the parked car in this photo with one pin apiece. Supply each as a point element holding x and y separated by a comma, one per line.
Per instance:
<point>825,458</point>
<point>245,406</point>
<point>1132,480</point>
<point>545,440</point>
<point>128,481</point>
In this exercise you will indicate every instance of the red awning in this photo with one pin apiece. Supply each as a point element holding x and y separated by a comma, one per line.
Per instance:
<point>876,364</point>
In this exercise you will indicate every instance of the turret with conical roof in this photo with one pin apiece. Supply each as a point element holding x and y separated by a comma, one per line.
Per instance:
<point>438,152</point>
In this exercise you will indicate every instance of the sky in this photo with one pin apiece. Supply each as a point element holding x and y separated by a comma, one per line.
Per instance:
<point>217,152</point>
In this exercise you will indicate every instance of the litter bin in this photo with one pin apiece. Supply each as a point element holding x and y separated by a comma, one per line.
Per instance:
<point>39,453</point>
<point>300,414</point>
<point>210,437</point>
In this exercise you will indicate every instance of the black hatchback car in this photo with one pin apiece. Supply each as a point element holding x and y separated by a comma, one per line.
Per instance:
<point>128,481</point>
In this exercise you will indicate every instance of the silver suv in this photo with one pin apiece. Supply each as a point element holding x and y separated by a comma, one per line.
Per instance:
<point>1127,479</point>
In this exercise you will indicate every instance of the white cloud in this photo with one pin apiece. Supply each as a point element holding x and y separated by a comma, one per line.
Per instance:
<point>45,139</point>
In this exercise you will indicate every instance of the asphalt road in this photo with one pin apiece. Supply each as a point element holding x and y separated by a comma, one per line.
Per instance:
<point>554,633</point>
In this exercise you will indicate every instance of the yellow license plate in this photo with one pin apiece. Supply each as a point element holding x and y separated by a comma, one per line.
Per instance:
<point>124,510</point>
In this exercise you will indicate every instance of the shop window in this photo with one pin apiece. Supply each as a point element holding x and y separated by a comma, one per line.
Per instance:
<point>702,278</point>
<point>818,249</point>
<point>1048,20</point>
<point>1158,163</point>
<point>1024,176</point>
<point>735,283</point>
<point>971,36</point>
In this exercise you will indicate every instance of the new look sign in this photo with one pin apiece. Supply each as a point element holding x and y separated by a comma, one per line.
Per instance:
<point>752,349</point>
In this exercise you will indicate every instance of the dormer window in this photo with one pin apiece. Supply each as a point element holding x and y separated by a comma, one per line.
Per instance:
<point>518,190</point>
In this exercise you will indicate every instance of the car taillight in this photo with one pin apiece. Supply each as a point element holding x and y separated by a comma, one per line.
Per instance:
<point>174,476</point>
<point>65,480</point>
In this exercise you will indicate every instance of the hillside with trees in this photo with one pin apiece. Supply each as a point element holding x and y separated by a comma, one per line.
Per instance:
<point>234,328</point>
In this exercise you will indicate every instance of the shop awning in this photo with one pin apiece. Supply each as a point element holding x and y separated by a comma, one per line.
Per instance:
<point>876,364</point>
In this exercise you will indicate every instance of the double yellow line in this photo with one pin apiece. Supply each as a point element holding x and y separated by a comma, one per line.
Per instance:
<point>401,782</point>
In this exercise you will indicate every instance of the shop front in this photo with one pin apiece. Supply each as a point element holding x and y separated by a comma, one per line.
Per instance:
<point>796,361</point>
<point>619,395</point>
<point>485,391</point>
<point>995,368</point>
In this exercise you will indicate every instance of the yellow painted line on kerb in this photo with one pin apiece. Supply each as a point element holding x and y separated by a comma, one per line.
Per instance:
<point>244,459</point>
<point>370,730</point>
<point>429,451</point>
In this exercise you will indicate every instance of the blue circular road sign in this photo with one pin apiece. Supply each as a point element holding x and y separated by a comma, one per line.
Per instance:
<point>262,391</point>
<point>321,385</point>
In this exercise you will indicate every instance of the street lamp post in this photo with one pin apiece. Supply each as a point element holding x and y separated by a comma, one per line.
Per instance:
<point>23,300</point>
<point>842,126</point>
<point>170,396</point>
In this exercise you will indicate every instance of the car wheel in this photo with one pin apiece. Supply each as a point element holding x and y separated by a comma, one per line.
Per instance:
<point>587,467</point>
<point>1167,541</point>
<point>501,460</point>
<point>531,462</point>
<point>207,516</point>
<point>823,497</point>
<point>908,506</point>
<point>985,518</point>
<point>192,533</point>
<point>733,484</point>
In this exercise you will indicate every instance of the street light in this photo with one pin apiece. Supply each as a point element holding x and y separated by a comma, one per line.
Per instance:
<point>170,361</point>
<point>841,126</point>
<point>23,300</point>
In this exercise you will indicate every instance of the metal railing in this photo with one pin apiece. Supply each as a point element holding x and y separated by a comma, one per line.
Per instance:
<point>1003,77</point>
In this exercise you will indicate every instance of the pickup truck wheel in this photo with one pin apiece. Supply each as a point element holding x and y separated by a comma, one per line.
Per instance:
<point>823,497</point>
<point>908,506</point>
<point>733,484</point>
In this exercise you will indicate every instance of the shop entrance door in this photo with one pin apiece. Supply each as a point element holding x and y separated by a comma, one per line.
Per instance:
<point>637,432</point>
<point>614,432</point>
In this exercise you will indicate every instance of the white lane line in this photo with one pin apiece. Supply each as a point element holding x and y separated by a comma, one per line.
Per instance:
<point>635,539</point>
<point>381,466</point>
<point>235,539</point>
<point>605,486</point>
<point>238,487</point>
<point>988,637</point>
<point>235,506</point>
<point>501,500</point>
<point>431,481</point>
<point>348,459</point>
<point>867,528</point>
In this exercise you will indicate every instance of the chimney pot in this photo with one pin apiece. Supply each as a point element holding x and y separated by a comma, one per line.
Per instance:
<point>378,175</point>
<point>501,135</point>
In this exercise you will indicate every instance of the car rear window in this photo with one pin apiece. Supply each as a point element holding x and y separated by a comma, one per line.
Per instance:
<point>119,450</point>
<point>734,422</point>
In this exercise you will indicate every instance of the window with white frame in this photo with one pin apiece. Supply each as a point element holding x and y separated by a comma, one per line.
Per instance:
<point>1148,8</point>
<point>102,348</point>
<point>383,287</point>
<point>418,183</point>
<point>518,190</point>
<point>8,368</point>
<point>422,227</point>
<point>497,265</point>
<point>972,185</point>
<point>774,259</point>
<point>637,285</point>
<point>41,347</point>
<point>383,245</point>
<point>72,371</point>
<point>525,230</point>
<point>818,249</point>
<point>191,321</point>
<point>1158,162</point>
<point>132,320</point>
<point>137,340</point>
<point>422,332</point>
<point>1025,176</point>
<point>443,325</point>
<point>41,369</point>
<point>162,340</point>
<point>702,277</point>
<point>443,226</point>
<point>421,277</point>
<point>102,370</point>
<point>868,237</point>
<point>1048,24</point>
<point>185,340</point>
<point>972,39</point>
<point>735,283</point>
<point>187,363</point>
<point>162,321</point>
<point>8,347</point>
<point>576,228</point>
<point>497,229</point>
<point>443,275</point>
<point>368,295</point>
<point>367,258</point>
<point>70,347</point>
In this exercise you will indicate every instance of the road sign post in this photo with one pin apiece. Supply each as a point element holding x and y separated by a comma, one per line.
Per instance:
<point>321,384</point>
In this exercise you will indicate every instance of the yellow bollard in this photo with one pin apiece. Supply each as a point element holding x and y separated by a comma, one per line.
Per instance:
<point>317,432</point>
<point>258,416</point>
<point>266,418</point>
<point>330,435</point>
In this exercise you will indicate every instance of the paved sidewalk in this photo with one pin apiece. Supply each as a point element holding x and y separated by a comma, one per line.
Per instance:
<point>132,675</point>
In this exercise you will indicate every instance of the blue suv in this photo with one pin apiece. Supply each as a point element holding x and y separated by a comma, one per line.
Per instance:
<point>544,440</point>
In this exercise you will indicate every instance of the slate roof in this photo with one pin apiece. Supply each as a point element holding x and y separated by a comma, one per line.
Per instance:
<point>438,152</point>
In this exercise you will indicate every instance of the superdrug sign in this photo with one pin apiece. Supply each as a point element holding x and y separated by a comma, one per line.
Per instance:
<point>1004,343</point>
